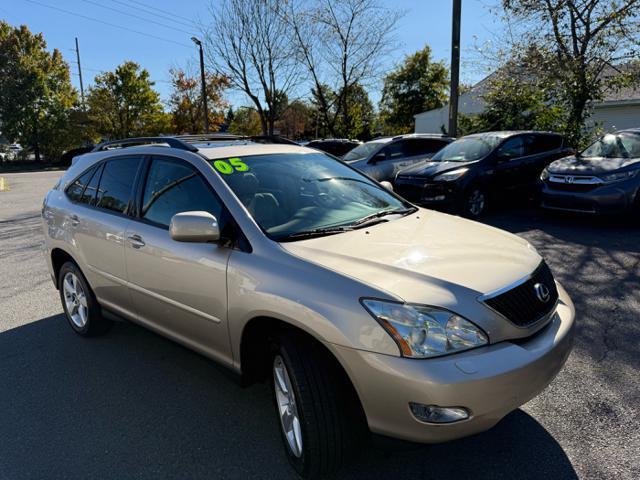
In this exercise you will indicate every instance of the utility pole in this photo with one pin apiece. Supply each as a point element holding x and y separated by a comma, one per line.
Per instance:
<point>204,85</point>
<point>80,75</point>
<point>455,68</point>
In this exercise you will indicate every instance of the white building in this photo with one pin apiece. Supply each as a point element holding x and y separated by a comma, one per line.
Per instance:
<point>618,110</point>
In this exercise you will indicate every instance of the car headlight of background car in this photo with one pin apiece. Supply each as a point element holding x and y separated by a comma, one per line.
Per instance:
<point>618,177</point>
<point>451,175</point>
<point>544,175</point>
<point>423,332</point>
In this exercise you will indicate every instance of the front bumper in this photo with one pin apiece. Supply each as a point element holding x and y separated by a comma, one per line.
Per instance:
<point>489,381</point>
<point>605,199</point>
<point>426,192</point>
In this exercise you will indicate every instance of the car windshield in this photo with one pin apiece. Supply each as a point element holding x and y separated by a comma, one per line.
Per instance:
<point>467,149</point>
<point>291,195</point>
<point>361,151</point>
<point>618,145</point>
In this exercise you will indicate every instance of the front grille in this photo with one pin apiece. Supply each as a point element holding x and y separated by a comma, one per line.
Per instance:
<point>521,304</point>
<point>572,187</point>
<point>411,191</point>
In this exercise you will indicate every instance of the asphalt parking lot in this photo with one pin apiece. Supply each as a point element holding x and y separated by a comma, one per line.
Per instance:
<point>134,405</point>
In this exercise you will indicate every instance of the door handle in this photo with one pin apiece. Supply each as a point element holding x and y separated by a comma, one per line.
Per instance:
<point>74,220</point>
<point>136,241</point>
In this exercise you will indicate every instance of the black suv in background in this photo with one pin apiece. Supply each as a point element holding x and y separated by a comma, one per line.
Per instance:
<point>335,146</point>
<point>466,174</point>
<point>604,178</point>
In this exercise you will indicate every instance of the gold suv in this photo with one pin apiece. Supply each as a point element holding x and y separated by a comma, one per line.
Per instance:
<point>363,311</point>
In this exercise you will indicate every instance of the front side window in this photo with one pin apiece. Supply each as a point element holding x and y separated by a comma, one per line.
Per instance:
<point>173,187</point>
<point>361,151</point>
<point>468,149</point>
<point>293,194</point>
<point>620,145</point>
<point>116,183</point>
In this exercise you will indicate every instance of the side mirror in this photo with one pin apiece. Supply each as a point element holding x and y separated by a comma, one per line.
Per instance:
<point>387,185</point>
<point>194,227</point>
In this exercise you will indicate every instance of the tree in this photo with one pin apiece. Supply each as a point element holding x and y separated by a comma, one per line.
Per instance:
<point>186,101</point>
<point>251,44</point>
<point>36,95</point>
<point>582,38</point>
<point>417,85</point>
<point>341,43</point>
<point>295,122</point>
<point>246,121</point>
<point>123,103</point>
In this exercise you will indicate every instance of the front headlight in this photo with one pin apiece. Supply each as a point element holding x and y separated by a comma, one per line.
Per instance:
<point>423,332</point>
<point>451,175</point>
<point>544,175</point>
<point>618,177</point>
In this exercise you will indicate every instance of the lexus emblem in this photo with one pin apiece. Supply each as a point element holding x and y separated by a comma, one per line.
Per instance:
<point>569,179</point>
<point>542,292</point>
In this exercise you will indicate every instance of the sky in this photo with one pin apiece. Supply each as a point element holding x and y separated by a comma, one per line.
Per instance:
<point>156,33</point>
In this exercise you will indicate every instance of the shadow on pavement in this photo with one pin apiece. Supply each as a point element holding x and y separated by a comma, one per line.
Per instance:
<point>132,404</point>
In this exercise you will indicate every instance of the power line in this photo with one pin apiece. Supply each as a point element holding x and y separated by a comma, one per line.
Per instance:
<point>147,10</point>
<point>107,23</point>
<point>160,10</point>
<point>137,16</point>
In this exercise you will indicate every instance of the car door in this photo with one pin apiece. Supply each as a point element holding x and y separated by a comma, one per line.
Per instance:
<point>99,222</point>
<point>388,161</point>
<point>510,164</point>
<point>179,289</point>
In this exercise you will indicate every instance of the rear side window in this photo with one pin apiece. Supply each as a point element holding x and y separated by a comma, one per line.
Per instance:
<point>172,187</point>
<point>116,183</point>
<point>423,146</point>
<point>90,191</point>
<point>76,189</point>
<point>543,143</point>
<point>512,148</point>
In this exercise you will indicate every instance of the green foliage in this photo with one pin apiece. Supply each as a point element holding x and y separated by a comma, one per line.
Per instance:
<point>36,95</point>
<point>514,103</point>
<point>186,101</point>
<point>354,119</point>
<point>246,121</point>
<point>417,85</point>
<point>296,121</point>
<point>123,104</point>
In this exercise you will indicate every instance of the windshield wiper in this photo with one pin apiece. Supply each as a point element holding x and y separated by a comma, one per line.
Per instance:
<point>382,213</point>
<point>316,232</point>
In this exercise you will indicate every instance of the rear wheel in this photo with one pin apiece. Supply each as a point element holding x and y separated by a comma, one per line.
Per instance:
<point>320,420</point>
<point>79,303</point>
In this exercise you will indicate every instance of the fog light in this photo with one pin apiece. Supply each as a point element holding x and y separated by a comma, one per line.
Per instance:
<point>435,414</point>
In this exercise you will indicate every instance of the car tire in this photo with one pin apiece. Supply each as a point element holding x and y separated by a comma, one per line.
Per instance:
<point>326,424</point>
<point>473,203</point>
<point>79,303</point>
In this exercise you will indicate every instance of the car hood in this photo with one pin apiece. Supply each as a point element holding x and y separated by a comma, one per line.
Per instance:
<point>429,169</point>
<point>426,257</point>
<point>578,165</point>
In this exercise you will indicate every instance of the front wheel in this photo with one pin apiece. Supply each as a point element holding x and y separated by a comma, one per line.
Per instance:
<point>473,203</point>
<point>320,420</point>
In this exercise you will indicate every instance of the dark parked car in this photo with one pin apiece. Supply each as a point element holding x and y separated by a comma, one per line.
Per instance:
<point>382,158</point>
<point>465,175</point>
<point>604,178</point>
<point>335,146</point>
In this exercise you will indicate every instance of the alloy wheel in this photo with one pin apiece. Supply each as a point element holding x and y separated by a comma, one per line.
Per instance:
<point>476,202</point>
<point>287,409</point>
<point>75,300</point>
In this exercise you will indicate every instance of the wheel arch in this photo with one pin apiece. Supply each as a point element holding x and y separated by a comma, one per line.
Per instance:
<point>58,258</point>
<point>254,350</point>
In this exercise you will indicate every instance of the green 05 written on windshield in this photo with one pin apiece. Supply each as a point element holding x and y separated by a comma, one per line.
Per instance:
<point>293,196</point>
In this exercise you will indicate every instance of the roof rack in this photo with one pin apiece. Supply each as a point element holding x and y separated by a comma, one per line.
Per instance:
<point>184,142</point>
<point>173,142</point>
